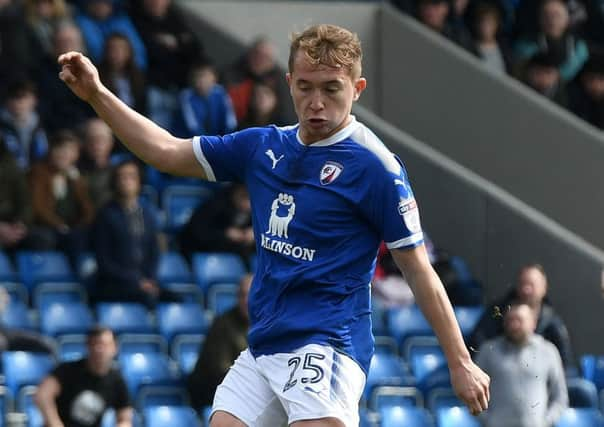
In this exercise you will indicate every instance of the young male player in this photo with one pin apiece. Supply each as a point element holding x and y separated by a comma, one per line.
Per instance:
<point>324,193</point>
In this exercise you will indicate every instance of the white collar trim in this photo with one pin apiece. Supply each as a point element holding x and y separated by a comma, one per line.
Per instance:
<point>336,137</point>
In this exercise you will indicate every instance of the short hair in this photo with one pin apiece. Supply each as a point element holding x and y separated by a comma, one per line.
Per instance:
<point>115,172</point>
<point>63,137</point>
<point>533,266</point>
<point>329,45</point>
<point>98,330</point>
<point>19,89</point>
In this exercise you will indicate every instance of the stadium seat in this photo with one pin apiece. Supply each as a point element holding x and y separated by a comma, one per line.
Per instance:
<point>582,393</point>
<point>125,317</point>
<point>179,202</point>
<point>581,417</point>
<point>142,343</point>
<point>395,396</point>
<point>180,318</point>
<point>32,413</point>
<point>442,397</point>
<point>173,268</point>
<point>386,369</point>
<point>211,268</point>
<point>23,369</point>
<point>17,291</point>
<point>43,266</point>
<point>161,416</point>
<point>161,396</point>
<point>222,297</point>
<point>468,317</point>
<point>7,272</point>
<point>6,404</point>
<point>48,293</point>
<point>456,416</point>
<point>367,418</point>
<point>149,196</point>
<point>185,350</point>
<point>386,345</point>
<point>72,347</point>
<point>141,369</point>
<point>205,414</point>
<point>86,268</point>
<point>439,378</point>
<point>406,322</point>
<point>65,318</point>
<point>424,358</point>
<point>187,292</point>
<point>593,369</point>
<point>16,316</point>
<point>397,416</point>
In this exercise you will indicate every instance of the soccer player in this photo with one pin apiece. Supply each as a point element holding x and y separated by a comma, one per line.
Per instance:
<point>324,193</point>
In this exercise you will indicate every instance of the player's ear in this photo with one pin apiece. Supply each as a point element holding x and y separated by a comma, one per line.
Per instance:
<point>359,87</point>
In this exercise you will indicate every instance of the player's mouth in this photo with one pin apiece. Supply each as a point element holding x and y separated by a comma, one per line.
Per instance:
<point>316,123</point>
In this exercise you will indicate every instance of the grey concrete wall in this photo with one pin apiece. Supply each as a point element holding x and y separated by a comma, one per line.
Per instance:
<point>494,126</point>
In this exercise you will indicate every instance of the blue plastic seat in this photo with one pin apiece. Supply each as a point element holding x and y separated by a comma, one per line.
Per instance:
<point>456,416</point>
<point>86,268</point>
<point>151,396</point>
<point>122,317</point>
<point>17,291</point>
<point>48,293</point>
<point>185,350</point>
<point>386,369</point>
<point>468,317</point>
<point>142,369</point>
<point>173,268</point>
<point>24,369</point>
<point>142,343</point>
<point>406,322</point>
<point>7,271</point>
<point>386,345</point>
<point>408,416</point>
<point>581,417</point>
<point>179,203</point>
<point>16,316</point>
<point>425,359</point>
<point>438,378</point>
<point>442,397</point>
<point>212,268</point>
<point>5,404</point>
<point>582,393</point>
<point>187,292</point>
<point>65,318</point>
<point>180,318</point>
<point>161,416</point>
<point>593,369</point>
<point>395,396</point>
<point>72,347</point>
<point>222,297</point>
<point>43,266</point>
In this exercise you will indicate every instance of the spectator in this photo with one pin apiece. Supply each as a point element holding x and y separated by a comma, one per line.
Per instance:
<point>205,107</point>
<point>125,241</point>
<point>61,204</point>
<point>587,93</point>
<point>435,15</point>
<point>528,388</point>
<point>59,107</point>
<point>223,224</point>
<point>24,135</point>
<point>98,19</point>
<point>258,65</point>
<point>77,394</point>
<point>530,289</point>
<point>17,56</point>
<point>95,162</point>
<point>554,37</point>
<point>43,18</point>
<point>488,44</point>
<point>226,338</point>
<point>172,48</point>
<point>542,73</point>
<point>119,72</point>
<point>264,108</point>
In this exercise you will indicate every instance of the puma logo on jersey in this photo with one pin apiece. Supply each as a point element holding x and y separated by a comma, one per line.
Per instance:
<point>271,156</point>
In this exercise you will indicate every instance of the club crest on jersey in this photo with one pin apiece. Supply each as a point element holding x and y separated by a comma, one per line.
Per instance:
<point>329,172</point>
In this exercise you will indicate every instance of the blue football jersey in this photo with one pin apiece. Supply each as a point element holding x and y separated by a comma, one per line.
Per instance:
<point>319,213</point>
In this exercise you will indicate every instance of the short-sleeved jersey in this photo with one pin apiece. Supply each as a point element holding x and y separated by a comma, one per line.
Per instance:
<point>319,213</point>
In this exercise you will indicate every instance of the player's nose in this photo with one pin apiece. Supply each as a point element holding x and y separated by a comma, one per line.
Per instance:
<point>316,101</point>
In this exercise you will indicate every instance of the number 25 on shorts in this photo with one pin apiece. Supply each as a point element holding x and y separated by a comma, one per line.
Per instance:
<point>316,373</point>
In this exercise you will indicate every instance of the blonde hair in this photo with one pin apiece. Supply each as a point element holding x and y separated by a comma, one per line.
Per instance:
<point>328,45</point>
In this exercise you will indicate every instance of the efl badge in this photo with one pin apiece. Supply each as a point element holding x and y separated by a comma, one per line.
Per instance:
<point>329,172</point>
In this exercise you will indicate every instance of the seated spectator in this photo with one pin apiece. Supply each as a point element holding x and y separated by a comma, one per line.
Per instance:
<point>120,74</point>
<point>528,387</point>
<point>264,108</point>
<point>226,338</point>
<point>205,108</point>
<point>488,45</point>
<point>24,135</point>
<point>60,200</point>
<point>435,15</point>
<point>258,65</point>
<point>172,48</point>
<point>530,289</point>
<point>43,18</point>
<point>542,74</point>
<point>95,161</point>
<point>78,393</point>
<point>587,93</point>
<point>98,19</point>
<point>59,107</point>
<point>223,224</point>
<point>125,242</point>
<point>554,37</point>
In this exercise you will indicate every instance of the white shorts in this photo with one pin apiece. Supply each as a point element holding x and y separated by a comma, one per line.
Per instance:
<point>276,390</point>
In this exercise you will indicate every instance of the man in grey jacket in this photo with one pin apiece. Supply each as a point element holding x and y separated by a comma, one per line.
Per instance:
<point>528,386</point>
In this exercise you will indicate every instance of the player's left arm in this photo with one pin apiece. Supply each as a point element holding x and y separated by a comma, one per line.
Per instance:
<point>469,382</point>
<point>123,417</point>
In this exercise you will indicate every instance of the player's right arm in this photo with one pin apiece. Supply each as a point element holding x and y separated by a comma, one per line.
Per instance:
<point>148,141</point>
<point>45,399</point>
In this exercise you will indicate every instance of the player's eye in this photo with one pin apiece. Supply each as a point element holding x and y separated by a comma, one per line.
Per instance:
<point>333,89</point>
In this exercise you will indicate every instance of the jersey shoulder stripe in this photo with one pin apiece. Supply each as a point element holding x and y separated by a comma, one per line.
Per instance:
<point>364,137</point>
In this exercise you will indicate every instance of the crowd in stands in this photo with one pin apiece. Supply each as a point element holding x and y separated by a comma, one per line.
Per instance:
<point>555,47</point>
<point>67,185</point>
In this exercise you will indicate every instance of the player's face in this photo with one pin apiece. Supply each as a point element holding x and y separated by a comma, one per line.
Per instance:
<point>323,97</point>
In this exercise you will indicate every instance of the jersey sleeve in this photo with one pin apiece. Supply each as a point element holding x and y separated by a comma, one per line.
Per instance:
<point>226,158</point>
<point>391,206</point>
